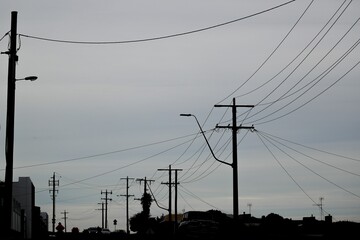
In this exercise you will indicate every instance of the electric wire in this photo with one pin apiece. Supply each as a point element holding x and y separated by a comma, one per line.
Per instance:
<point>317,160</point>
<point>271,54</point>
<point>310,100</point>
<point>295,58</point>
<point>331,182</point>
<point>284,94</point>
<point>312,148</point>
<point>127,165</point>
<point>314,81</point>
<point>4,36</point>
<point>299,64</point>
<point>318,78</point>
<point>184,199</point>
<point>160,37</point>
<point>188,192</point>
<point>284,169</point>
<point>101,154</point>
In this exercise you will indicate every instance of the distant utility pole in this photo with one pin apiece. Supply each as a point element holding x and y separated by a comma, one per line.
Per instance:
<point>170,184</point>
<point>145,182</point>
<point>320,205</point>
<point>234,165</point>
<point>65,217</point>
<point>127,204</point>
<point>249,205</point>
<point>102,214</point>
<point>106,204</point>
<point>53,183</point>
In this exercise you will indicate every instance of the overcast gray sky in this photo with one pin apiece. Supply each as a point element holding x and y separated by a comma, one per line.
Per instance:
<point>106,106</point>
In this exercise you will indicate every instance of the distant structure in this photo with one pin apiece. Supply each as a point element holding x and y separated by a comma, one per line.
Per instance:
<point>24,193</point>
<point>320,205</point>
<point>27,222</point>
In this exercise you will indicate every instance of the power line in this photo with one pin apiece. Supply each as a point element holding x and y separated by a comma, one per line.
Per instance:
<point>302,61</point>
<point>310,100</point>
<point>317,160</point>
<point>156,38</point>
<point>302,145</point>
<point>281,165</point>
<point>4,36</point>
<point>103,154</point>
<point>296,57</point>
<point>342,188</point>
<point>271,54</point>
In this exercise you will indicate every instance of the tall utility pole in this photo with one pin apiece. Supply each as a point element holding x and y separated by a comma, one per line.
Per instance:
<point>127,203</point>
<point>234,165</point>
<point>176,183</point>
<point>320,205</point>
<point>102,214</point>
<point>106,204</point>
<point>65,217</point>
<point>53,183</point>
<point>170,184</point>
<point>9,141</point>
<point>249,205</point>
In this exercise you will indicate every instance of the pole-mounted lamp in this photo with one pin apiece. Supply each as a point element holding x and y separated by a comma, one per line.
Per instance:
<point>202,132</point>
<point>29,78</point>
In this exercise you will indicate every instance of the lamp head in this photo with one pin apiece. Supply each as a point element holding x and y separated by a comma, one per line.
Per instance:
<point>31,78</point>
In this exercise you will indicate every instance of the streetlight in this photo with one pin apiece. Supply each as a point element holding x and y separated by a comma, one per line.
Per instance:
<point>9,149</point>
<point>29,78</point>
<point>233,165</point>
<point>6,219</point>
<point>202,132</point>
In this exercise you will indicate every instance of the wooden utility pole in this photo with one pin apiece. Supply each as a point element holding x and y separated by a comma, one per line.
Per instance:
<point>65,217</point>
<point>9,139</point>
<point>53,183</point>
<point>127,203</point>
<point>145,182</point>
<point>170,184</point>
<point>102,214</point>
<point>106,204</point>
<point>234,165</point>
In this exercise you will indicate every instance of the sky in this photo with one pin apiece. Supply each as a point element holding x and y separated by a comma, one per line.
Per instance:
<point>114,77</point>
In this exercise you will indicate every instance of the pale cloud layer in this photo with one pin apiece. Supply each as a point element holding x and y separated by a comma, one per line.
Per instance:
<point>104,112</point>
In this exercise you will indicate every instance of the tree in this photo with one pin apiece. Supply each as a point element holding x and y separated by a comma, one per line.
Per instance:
<point>140,221</point>
<point>146,201</point>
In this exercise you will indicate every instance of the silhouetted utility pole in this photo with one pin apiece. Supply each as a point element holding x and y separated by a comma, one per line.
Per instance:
<point>53,183</point>
<point>106,204</point>
<point>145,182</point>
<point>170,184</point>
<point>10,116</point>
<point>127,204</point>
<point>65,217</point>
<point>234,165</point>
<point>249,205</point>
<point>102,214</point>
<point>320,205</point>
<point>176,183</point>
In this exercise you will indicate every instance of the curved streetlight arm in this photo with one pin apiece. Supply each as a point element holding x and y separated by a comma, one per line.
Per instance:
<point>207,142</point>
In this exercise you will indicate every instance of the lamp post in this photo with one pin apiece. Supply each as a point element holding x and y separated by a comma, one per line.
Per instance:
<point>229,164</point>
<point>233,165</point>
<point>202,132</point>
<point>10,116</point>
<point>9,148</point>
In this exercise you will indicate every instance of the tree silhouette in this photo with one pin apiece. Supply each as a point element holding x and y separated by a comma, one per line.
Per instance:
<point>140,221</point>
